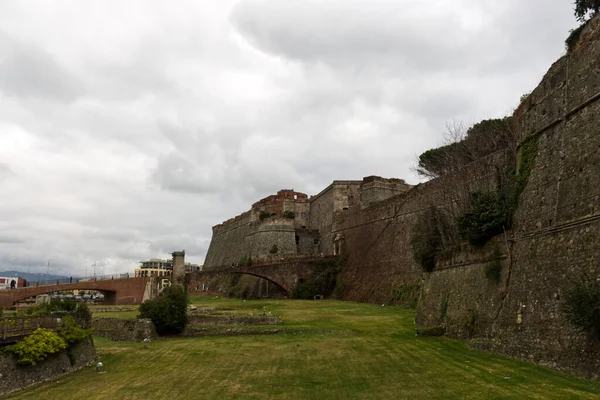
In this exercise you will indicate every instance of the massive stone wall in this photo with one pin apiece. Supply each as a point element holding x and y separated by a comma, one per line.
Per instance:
<point>228,244</point>
<point>556,234</point>
<point>276,231</point>
<point>377,239</point>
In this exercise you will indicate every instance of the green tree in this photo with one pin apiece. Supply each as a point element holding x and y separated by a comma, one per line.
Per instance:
<point>583,8</point>
<point>168,311</point>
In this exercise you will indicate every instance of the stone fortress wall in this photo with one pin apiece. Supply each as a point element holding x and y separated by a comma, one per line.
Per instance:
<point>555,237</point>
<point>309,233</point>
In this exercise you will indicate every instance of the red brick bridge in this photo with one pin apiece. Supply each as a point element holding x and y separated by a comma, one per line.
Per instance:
<point>116,291</point>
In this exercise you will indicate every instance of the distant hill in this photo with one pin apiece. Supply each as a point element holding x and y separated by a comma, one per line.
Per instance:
<point>33,277</point>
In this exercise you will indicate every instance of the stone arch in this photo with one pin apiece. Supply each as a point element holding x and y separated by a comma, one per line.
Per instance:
<point>213,274</point>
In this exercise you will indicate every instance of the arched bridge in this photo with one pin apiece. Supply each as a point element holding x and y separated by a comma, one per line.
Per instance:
<point>285,273</point>
<point>116,291</point>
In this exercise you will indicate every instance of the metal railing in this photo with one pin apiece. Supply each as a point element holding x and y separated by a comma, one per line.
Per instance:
<point>78,280</point>
<point>15,327</point>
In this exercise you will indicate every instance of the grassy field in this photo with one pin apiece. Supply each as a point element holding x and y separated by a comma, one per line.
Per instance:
<point>326,350</point>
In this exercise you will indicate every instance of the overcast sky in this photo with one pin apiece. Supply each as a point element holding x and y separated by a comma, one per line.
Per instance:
<point>128,129</point>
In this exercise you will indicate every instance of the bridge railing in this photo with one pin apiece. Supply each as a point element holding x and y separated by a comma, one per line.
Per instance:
<point>48,282</point>
<point>11,327</point>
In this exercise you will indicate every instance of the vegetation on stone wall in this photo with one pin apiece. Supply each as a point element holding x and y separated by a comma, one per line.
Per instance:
<point>444,306</point>
<point>289,214</point>
<point>429,235</point>
<point>168,311</point>
<point>263,215</point>
<point>487,215</point>
<point>465,146</point>
<point>406,294</point>
<point>493,271</point>
<point>305,291</point>
<point>527,155</point>
<point>245,261</point>
<point>37,346</point>
<point>235,278</point>
<point>470,322</point>
<point>274,249</point>
<point>573,38</point>
<point>490,213</point>
<point>581,306</point>
<point>324,280</point>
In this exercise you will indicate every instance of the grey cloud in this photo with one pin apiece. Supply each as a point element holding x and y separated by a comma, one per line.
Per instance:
<point>184,119</point>
<point>413,37</point>
<point>5,171</point>
<point>28,71</point>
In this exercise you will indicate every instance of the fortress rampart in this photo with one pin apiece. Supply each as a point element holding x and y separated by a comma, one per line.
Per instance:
<point>554,240</point>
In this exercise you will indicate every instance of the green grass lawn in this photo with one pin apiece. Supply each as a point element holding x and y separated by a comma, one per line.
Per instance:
<point>326,350</point>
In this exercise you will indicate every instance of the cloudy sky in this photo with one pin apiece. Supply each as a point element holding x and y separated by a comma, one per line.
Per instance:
<point>129,128</point>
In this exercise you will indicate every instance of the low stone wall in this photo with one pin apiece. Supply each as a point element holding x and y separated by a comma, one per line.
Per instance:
<point>15,377</point>
<point>124,329</point>
<point>233,320</point>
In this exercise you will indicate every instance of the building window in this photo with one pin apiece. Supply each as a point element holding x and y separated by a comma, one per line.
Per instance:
<point>316,241</point>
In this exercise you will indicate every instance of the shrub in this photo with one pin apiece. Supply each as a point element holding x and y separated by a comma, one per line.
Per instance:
<point>168,311</point>
<point>305,291</point>
<point>573,38</point>
<point>487,216</point>
<point>37,346</point>
<point>274,249</point>
<point>83,315</point>
<point>264,215</point>
<point>289,214</point>
<point>71,332</point>
<point>55,305</point>
<point>582,306</point>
